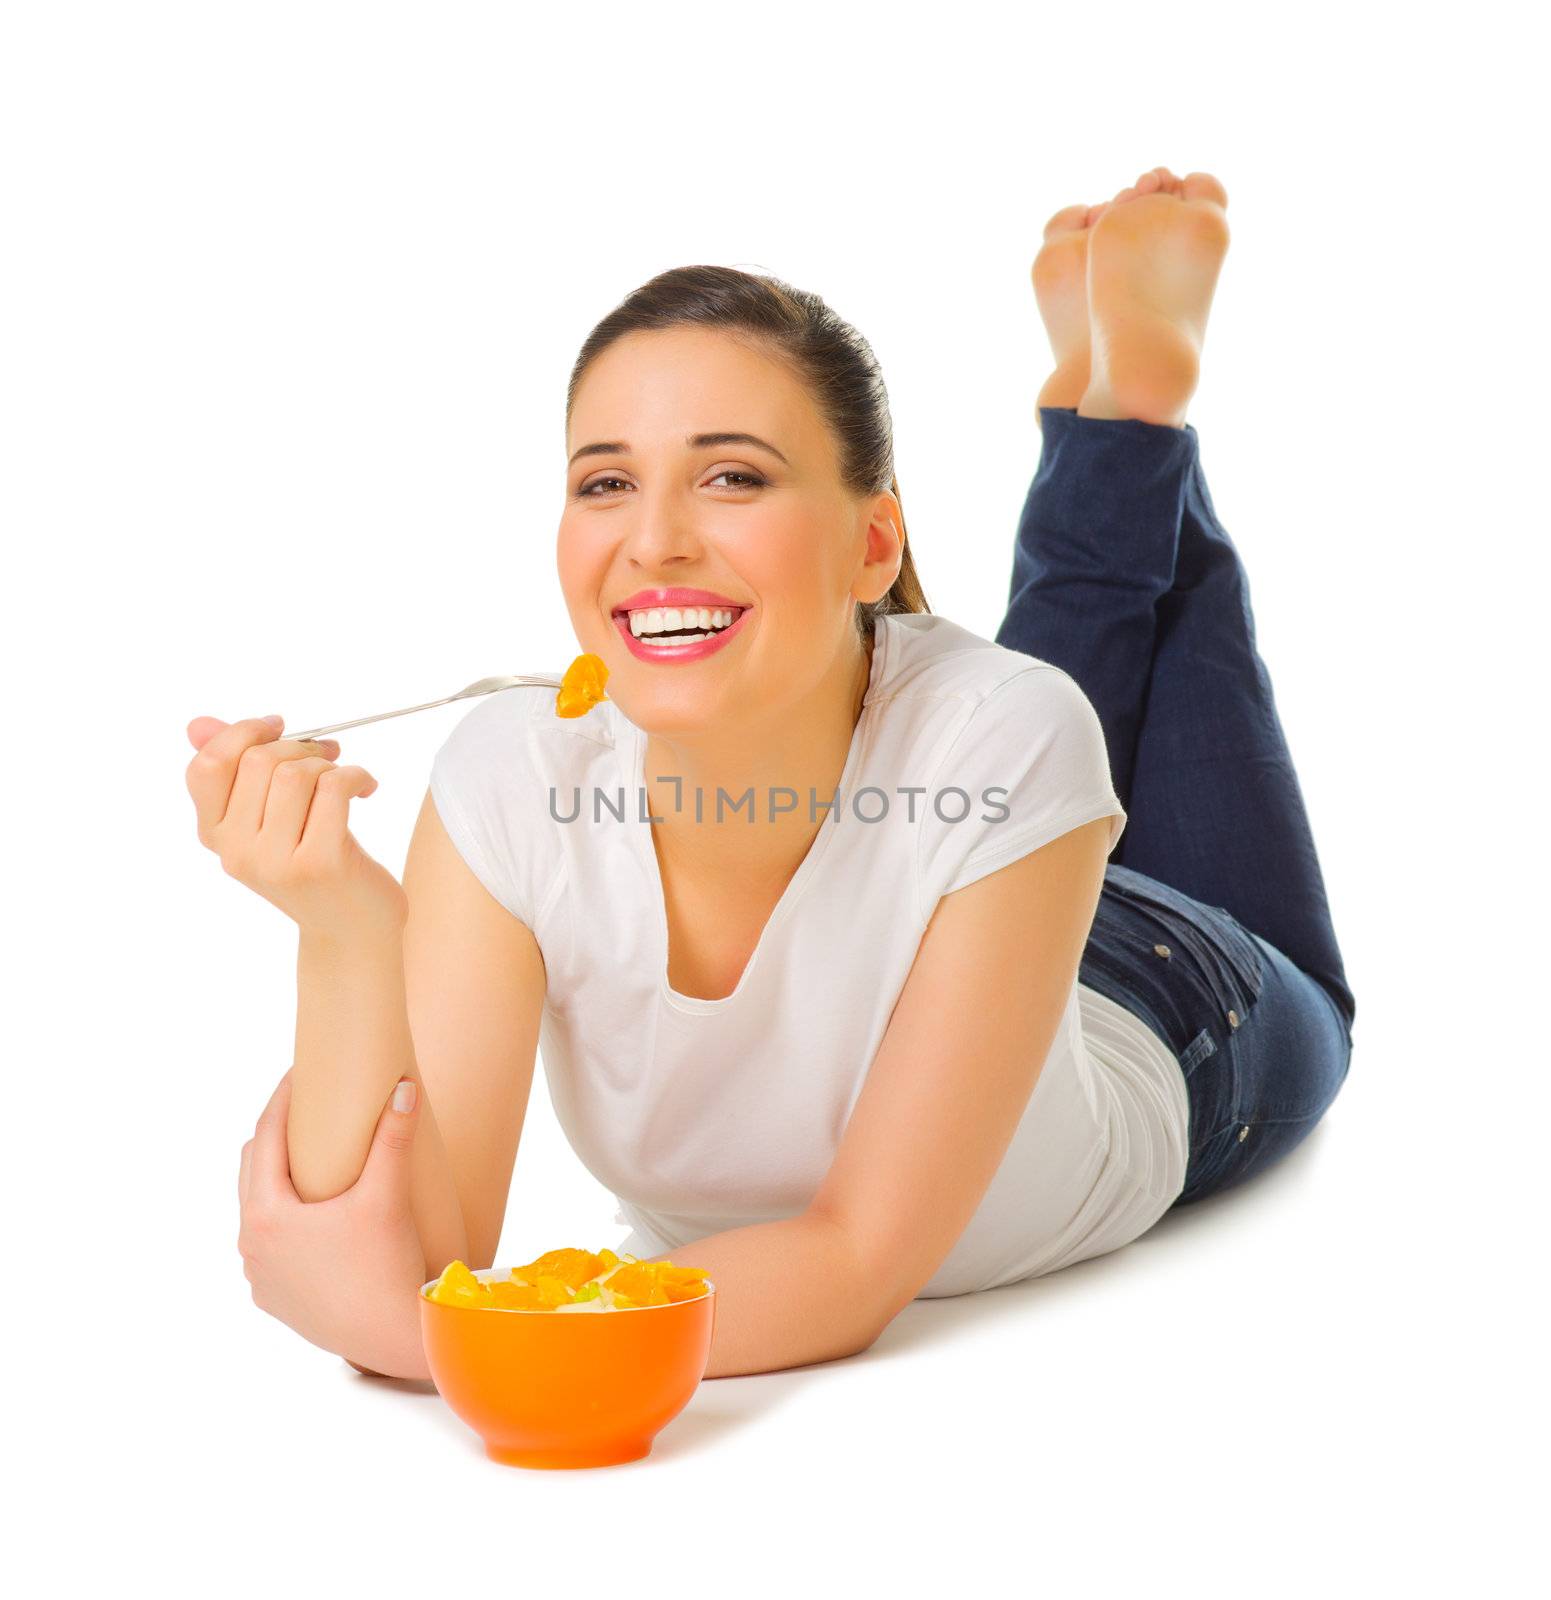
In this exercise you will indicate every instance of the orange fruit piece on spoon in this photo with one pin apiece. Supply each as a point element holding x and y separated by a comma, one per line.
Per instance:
<point>582,686</point>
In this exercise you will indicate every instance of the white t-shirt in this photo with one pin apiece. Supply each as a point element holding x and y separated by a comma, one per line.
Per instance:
<point>702,1115</point>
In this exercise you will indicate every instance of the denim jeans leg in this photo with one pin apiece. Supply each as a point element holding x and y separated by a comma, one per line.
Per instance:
<point>1216,807</point>
<point>1124,577</point>
<point>1094,556</point>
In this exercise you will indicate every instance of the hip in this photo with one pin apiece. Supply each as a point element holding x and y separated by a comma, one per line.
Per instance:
<point>1262,1047</point>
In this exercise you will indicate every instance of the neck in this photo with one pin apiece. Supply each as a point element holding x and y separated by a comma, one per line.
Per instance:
<point>804,750</point>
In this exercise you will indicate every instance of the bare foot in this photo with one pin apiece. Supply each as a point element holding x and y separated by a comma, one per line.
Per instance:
<point>1060,275</point>
<point>1153,256</point>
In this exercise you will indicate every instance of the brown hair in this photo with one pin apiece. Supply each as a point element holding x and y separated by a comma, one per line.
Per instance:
<point>827,354</point>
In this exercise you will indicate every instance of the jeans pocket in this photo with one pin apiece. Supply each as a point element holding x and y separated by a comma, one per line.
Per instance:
<point>1239,951</point>
<point>1224,950</point>
<point>1212,1087</point>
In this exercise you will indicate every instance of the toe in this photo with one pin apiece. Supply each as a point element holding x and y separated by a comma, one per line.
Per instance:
<point>1124,195</point>
<point>1203,186</point>
<point>1095,212</point>
<point>1068,220</point>
<point>1148,183</point>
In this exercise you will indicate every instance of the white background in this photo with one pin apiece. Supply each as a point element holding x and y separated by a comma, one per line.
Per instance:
<point>293,293</point>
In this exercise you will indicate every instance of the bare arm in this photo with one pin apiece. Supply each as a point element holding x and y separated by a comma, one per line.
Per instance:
<point>789,1293</point>
<point>353,1043</point>
<point>475,983</point>
<point>453,1000</point>
<point>960,1062</point>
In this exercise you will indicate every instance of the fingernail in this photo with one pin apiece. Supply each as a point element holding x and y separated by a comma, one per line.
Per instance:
<point>404,1095</point>
<point>275,722</point>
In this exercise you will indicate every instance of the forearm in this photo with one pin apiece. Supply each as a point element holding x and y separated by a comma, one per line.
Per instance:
<point>390,1344</point>
<point>353,1044</point>
<point>788,1294</point>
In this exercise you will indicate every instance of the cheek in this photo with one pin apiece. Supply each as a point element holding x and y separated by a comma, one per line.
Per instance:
<point>787,561</point>
<point>580,561</point>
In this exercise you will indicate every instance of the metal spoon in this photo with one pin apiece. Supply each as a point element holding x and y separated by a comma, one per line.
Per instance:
<point>484,686</point>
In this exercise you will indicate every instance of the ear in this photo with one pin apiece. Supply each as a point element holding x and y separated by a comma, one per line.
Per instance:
<point>885,551</point>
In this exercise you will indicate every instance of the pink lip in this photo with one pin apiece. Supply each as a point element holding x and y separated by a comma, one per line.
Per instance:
<point>644,599</point>
<point>672,655</point>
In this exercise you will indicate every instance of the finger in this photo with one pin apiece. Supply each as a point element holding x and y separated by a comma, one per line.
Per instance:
<point>269,1171</point>
<point>202,730</point>
<point>243,1168</point>
<point>212,773</point>
<point>330,812</point>
<point>386,1173</point>
<point>256,768</point>
<point>291,788</point>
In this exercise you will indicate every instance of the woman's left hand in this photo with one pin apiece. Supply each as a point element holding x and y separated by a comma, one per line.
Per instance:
<point>344,1273</point>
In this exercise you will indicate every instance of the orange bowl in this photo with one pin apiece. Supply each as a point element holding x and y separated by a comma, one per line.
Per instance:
<point>567,1388</point>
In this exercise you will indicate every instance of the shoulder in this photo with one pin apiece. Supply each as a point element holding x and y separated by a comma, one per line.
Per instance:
<point>937,670</point>
<point>1012,743</point>
<point>496,782</point>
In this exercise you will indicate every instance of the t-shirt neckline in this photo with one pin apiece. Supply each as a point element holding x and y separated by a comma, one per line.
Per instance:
<point>806,869</point>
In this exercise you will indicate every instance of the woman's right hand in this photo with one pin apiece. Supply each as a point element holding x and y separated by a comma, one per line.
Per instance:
<point>276,811</point>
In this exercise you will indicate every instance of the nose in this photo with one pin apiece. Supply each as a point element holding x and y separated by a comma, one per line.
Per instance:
<point>660,537</point>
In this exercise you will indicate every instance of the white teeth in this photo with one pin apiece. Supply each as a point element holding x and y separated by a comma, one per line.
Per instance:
<point>679,639</point>
<point>673,619</point>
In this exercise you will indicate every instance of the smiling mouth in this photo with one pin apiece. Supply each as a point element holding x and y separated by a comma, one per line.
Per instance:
<point>674,625</point>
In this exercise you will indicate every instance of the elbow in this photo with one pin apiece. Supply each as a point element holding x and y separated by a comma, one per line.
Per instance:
<point>404,1362</point>
<point>856,1264</point>
<point>878,1324</point>
<point>419,1371</point>
<point>385,1340</point>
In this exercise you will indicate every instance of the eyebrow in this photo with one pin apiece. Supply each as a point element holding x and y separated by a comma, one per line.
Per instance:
<point>696,441</point>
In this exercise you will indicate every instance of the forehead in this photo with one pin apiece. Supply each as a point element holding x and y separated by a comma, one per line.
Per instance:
<point>652,390</point>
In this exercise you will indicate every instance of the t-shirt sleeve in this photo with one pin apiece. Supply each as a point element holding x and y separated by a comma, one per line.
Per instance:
<point>492,799</point>
<point>1029,765</point>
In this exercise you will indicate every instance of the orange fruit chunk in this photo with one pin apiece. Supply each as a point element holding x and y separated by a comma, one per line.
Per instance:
<point>581,688</point>
<point>563,1277</point>
<point>572,1267</point>
<point>657,1283</point>
<point>457,1286</point>
<point>516,1297</point>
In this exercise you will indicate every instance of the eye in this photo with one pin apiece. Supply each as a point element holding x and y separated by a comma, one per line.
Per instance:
<point>586,490</point>
<point>751,480</point>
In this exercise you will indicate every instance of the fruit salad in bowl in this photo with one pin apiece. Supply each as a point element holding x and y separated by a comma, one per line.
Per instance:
<point>576,1359</point>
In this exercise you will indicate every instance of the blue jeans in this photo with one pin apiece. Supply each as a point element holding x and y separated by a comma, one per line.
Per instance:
<point>1213,924</point>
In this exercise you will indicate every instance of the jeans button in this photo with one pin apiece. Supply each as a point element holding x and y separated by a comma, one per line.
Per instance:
<point>1233,1019</point>
<point>1160,950</point>
<point>1243,1133</point>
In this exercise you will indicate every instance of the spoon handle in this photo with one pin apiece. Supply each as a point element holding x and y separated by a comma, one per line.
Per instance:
<point>462,694</point>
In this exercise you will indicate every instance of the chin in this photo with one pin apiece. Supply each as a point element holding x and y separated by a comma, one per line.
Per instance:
<point>669,709</point>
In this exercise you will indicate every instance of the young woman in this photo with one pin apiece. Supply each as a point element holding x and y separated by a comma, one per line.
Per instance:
<point>836,990</point>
